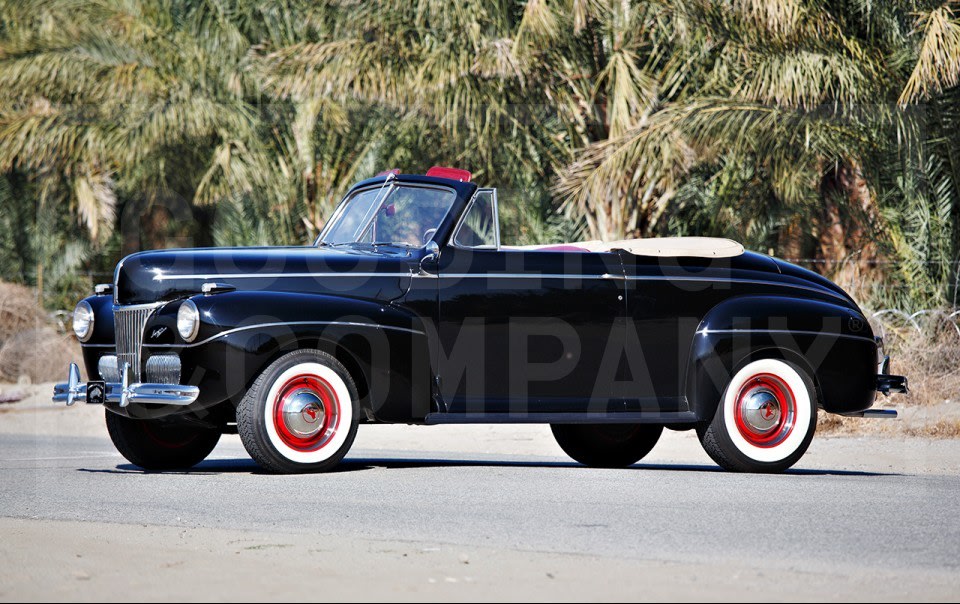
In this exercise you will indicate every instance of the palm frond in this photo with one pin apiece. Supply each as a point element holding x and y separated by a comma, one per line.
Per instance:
<point>96,201</point>
<point>938,59</point>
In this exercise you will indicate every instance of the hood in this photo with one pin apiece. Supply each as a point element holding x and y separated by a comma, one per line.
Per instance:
<point>164,275</point>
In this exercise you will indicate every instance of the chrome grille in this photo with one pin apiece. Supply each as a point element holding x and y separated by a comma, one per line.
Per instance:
<point>163,369</point>
<point>128,324</point>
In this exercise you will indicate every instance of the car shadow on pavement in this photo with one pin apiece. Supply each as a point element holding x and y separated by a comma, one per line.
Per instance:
<point>394,463</point>
<point>212,467</point>
<point>243,465</point>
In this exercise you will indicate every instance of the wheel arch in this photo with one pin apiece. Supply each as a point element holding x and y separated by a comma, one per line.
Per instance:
<point>832,344</point>
<point>357,366</point>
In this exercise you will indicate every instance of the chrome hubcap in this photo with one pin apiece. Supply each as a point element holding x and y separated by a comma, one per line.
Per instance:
<point>765,410</point>
<point>761,411</point>
<point>303,412</point>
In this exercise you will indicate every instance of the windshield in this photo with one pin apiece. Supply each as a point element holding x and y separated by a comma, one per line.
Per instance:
<point>391,215</point>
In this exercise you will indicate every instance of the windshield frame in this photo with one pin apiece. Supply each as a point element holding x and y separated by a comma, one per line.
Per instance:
<point>386,188</point>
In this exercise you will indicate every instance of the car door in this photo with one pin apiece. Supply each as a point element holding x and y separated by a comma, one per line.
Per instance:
<point>526,331</point>
<point>666,298</point>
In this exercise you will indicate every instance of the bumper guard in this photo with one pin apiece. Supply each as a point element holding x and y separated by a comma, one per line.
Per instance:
<point>890,384</point>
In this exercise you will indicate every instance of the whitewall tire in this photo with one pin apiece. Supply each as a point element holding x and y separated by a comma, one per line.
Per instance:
<point>301,413</point>
<point>765,420</point>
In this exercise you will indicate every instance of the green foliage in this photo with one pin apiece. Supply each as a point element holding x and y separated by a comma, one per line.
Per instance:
<point>921,223</point>
<point>248,221</point>
<point>41,247</point>
<point>797,126</point>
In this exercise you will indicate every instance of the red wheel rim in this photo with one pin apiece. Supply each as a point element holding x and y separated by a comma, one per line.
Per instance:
<point>306,412</point>
<point>765,411</point>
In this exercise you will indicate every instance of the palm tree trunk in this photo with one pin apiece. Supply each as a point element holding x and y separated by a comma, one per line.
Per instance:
<point>845,243</point>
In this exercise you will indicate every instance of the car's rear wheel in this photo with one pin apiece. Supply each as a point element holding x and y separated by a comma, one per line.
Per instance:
<point>765,420</point>
<point>160,444</point>
<point>301,414</point>
<point>607,445</point>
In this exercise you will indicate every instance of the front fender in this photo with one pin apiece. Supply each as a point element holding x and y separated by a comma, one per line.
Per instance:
<point>833,343</point>
<point>383,347</point>
<point>101,340</point>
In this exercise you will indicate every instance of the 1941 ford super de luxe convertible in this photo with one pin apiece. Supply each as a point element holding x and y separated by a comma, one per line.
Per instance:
<point>408,309</point>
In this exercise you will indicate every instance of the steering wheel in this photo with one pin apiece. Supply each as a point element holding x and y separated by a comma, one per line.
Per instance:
<point>427,236</point>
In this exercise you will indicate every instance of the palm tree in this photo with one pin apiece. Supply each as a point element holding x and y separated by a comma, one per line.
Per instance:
<point>800,126</point>
<point>137,97</point>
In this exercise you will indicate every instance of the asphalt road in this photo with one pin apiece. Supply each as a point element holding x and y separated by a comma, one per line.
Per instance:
<point>876,527</point>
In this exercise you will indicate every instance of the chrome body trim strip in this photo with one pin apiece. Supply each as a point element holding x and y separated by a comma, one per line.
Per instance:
<point>282,324</point>
<point>523,276</point>
<point>145,305</point>
<point>705,332</point>
<point>572,276</point>
<point>637,278</point>
<point>276,276</point>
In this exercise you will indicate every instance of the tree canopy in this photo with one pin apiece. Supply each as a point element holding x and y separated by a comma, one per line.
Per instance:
<point>809,129</point>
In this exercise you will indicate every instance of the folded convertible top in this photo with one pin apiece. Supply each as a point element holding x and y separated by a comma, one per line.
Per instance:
<point>698,247</point>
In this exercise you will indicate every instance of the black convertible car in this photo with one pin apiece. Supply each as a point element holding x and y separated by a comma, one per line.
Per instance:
<point>408,309</point>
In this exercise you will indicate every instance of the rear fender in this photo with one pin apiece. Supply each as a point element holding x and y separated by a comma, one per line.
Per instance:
<point>832,343</point>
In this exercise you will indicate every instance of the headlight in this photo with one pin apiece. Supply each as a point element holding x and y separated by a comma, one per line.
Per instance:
<point>83,321</point>
<point>188,320</point>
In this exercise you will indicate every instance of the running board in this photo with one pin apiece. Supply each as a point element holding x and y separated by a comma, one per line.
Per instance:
<point>626,417</point>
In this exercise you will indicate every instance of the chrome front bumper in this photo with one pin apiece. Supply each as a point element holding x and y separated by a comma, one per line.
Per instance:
<point>123,392</point>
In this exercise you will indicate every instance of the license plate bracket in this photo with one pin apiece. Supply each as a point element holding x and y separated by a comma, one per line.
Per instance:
<point>96,392</point>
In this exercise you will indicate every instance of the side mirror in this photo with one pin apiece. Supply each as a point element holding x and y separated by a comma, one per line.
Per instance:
<point>432,249</point>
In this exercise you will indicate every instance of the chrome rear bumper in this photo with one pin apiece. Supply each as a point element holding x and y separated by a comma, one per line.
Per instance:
<point>887,384</point>
<point>890,384</point>
<point>123,392</point>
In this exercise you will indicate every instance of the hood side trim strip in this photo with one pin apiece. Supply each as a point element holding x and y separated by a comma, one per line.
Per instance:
<point>284,324</point>
<point>274,275</point>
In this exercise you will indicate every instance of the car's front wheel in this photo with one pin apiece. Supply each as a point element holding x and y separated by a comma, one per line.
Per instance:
<point>160,445</point>
<point>607,445</point>
<point>301,414</point>
<point>765,420</point>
